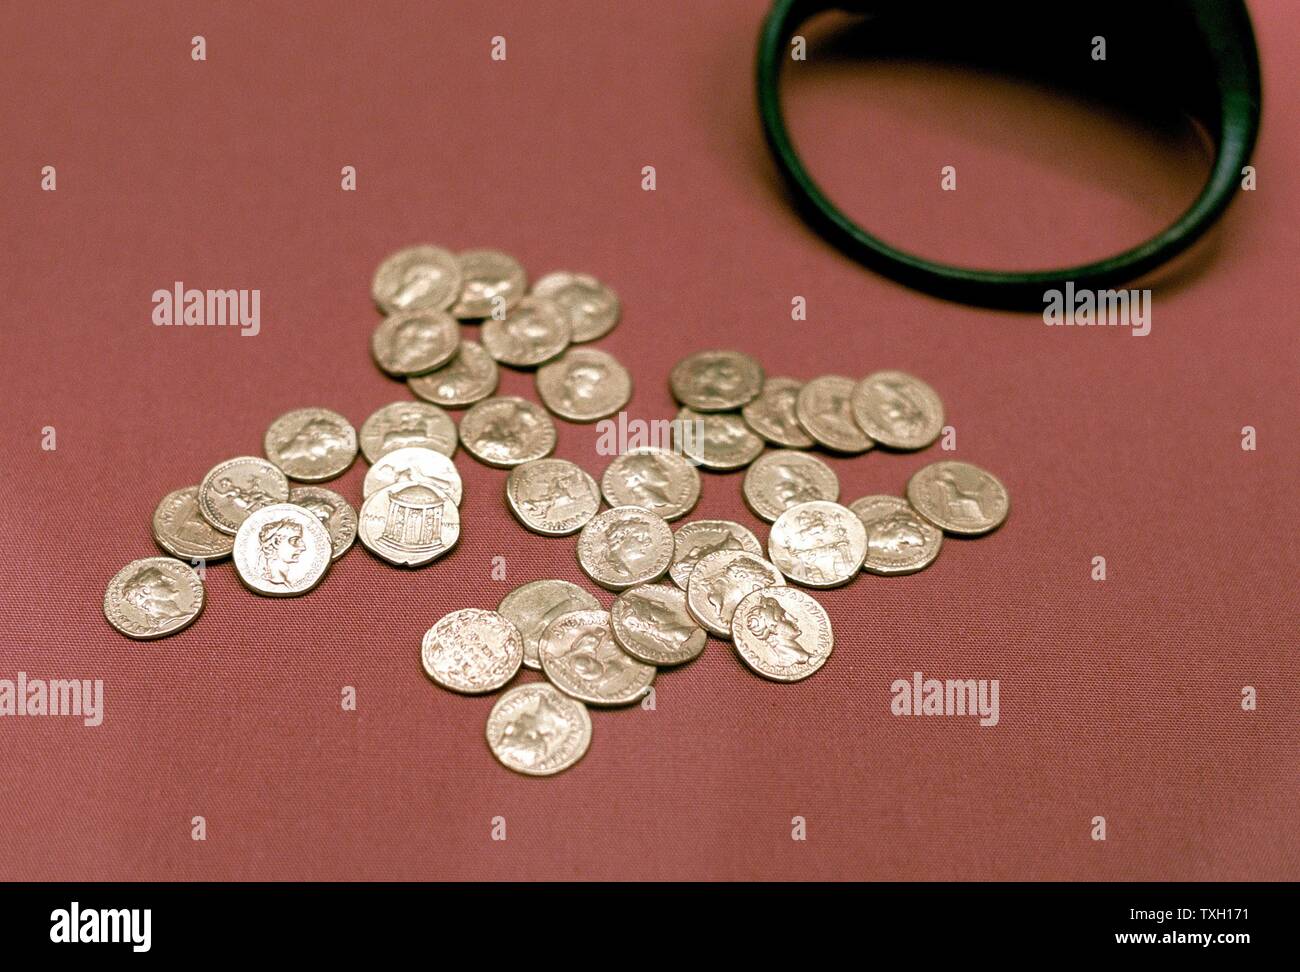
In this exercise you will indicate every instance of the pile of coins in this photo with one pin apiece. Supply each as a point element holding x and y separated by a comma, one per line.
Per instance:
<point>284,536</point>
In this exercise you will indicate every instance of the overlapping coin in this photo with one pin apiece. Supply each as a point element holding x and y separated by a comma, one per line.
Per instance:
<point>469,377</point>
<point>651,623</point>
<point>584,385</point>
<point>625,546</point>
<point>507,432</point>
<point>772,414</point>
<point>782,633</point>
<point>537,730</point>
<point>899,541</point>
<point>414,464</point>
<point>335,513</point>
<point>282,550</point>
<point>582,659</point>
<point>533,332</point>
<point>414,342</point>
<point>897,410</point>
<point>721,442</point>
<point>658,480</point>
<point>715,381</point>
<point>237,487</point>
<point>472,651</point>
<point>592,307</point>
<point>531,607</point>
<point>720,581</point>
<point>959,498</point>
<point>699,538</point>
<point>311,445</point>
<point>818,544</point>
<point>181,530</point>
<point>153,597</point>
<point>491,282</point>
<point>409,523</point>
<point>553,497</point>
<point>824,409</point>
<point>417,278</point>
<point>784,477</point>
<point>404,425</point>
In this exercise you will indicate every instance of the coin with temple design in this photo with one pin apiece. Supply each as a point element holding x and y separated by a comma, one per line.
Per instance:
<point>533,606</point>
<point>311,445</point>
<point>237,487</point>
<point>153,597</point>
<point>651,624</point>
<point>699,538</point>
<point>818,544</point>
<point>899,540</point>
<point>469,377</point>
<point>592,307</point>
<point>472,651</point>
<point>491,281</point>
<point>334,512</point>
<point>405,424</point>
<point>583,385</point>
<point>959,498</point>
<point>582,659</point>
<point>625,546</point>
<point>824,409</point>
<point>537,730</point>
<point>781,478</point>
<point>409,523</point>
<point>782,633</point>
<point>181,530</point>
<point>897,410</point>
<point>716,381</point>
<point>655,479</point>
<point>414,342</point>
<point>719,582</point>
<point>417,278</point>
<point>507,432</point>
<point>282,551</point>
<point>772,414</point>
<point>553,497</point>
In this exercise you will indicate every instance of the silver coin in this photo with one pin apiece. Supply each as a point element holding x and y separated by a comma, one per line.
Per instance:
<point>785,477</point>
<point>537,730</point>
<point>651,623</point>
<point>334,512</point>
<point>720,581</point>
<point>716,381</point>
<point>553,497</point>
<point>655,479</point>
<point>582,659</point>
<point>414,342</point>
<point>237,487</point>
<point>625,546</point>
<point>414,465</point>
<point>592,307</point>
<point>472,651</point>
<point>417,278</point>
<point>824,408</point>
<point>535,331</point>
<point>897,410</point>
<point>180,529</point>
<point>584,385</point>
<point>535,605</point>
<point>507,432</point>
<point>959,498</point>
<point>409,524</point>
<point>818,544</point>
<point>153,597</point>
<point>311,445</point>
<point>772,414</point>
<point>491,282</point>
<point>403,425</point>
<point>782,633</point>
<point>699,538</point>
<point>282,551</point>
<point>715,441</point>
<point>469,377</point>
<point>898,540</point>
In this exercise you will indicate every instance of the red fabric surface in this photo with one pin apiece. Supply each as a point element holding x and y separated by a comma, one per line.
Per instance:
<point>1118,699</point>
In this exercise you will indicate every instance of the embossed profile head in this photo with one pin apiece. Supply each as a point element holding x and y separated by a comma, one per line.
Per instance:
<point>527,738</point>
<point>414,339</point>
<point>897,406</point>
<point>720,378</point>
<point>628,546</point>
<point>645,476</point>
<point>777,630</point>
<point>313,441</point>
<point>279,544</point>
<point>153,593</point>
<point>581,381</point>
<point>740,577</point>
<point>894,533</point>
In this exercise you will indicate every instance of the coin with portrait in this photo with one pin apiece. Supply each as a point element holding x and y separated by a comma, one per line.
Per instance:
<point>153,597</point>
<point>625,546</point>
<point>537,730</point>
<point>534,331</point>
<point>718,583</point>
<point>403,425</point>
<point>715,381</point>
<point>899,540</point>
<point>311,445</point>
<point>582,659</point>
<point>592,306</point>
<point>469,377</point>
<point>414,342</point>
<point>783,477</point>
<point>553,497</point>
<point>507,431</point>
<point>334,512</point>
<point>651,623</point>
<point>531,607</point>
<point>491,281</point>
<point>898,410</point>
<point>720,442</point>
<point>180,529</point>
<point>772,414</point>
<point>233,489</point>
<point>584,385</point>
<point>655,479</point>
<point>416,278</point>
<point>472,651</point>
<point>782,633</point>
<point>282,550</point>
<point>699,538</point>
<point>824,409</point>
